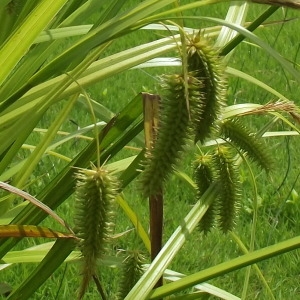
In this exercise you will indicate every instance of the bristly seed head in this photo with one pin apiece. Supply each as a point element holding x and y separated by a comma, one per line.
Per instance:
<point>95,193</point>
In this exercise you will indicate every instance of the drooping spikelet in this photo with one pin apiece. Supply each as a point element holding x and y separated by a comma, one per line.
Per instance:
<point>95,193</point>
<point>244,140</point>
<point>203,177</point>
<point>228,175</point>
<point>173,131</point>
<point>207,66</point>
<point>132,271</point>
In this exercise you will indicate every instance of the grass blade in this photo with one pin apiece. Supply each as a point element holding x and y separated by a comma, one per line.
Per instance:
<point>55,257</point>
<point>35,202</point>
<point>226,267</point>
<point>16,47</point>
<point>156,269</point>
<point>117,133</point>
<point>20,231</point>
<point>135,221</point>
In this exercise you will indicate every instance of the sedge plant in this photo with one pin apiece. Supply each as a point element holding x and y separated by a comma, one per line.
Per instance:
<point>49,57</point>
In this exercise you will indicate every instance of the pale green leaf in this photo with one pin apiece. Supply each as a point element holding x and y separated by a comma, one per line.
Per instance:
<point>18,44</point>
<point>156,269</point>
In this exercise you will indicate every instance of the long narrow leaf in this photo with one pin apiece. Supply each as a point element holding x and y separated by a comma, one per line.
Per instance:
<point>35,202</point>
<point>23,38</point>
<point>283,62</point>
<point>56,256</point>
<point>156,269</point>
<point>119,25</point>
<point>41,148</point>
<point>226,267</point>
<point>204,287</point>
<point>135,221</point>
<point>63,185</point>
<point>20,231</point>
<point>99,70</point>
<point>38,54</point>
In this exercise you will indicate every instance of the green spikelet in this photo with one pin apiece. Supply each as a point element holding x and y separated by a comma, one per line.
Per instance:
<point>206,65</point>
<point>228,175</point>
<point>131,273</point>
<point>95,192</point>
<point>203,176</point>
<point>172,133</point>
<point>244,140</point>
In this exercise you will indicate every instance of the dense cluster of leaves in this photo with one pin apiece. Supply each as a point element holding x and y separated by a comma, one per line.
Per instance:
<point>48,57</point>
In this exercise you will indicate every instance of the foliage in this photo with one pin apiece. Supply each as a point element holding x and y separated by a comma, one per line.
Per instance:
<point>49,58</point>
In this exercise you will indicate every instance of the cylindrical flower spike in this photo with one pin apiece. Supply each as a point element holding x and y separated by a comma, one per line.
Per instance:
<point>95,193</point>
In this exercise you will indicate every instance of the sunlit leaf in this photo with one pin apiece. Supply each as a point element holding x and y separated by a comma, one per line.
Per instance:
<point>20,231</point>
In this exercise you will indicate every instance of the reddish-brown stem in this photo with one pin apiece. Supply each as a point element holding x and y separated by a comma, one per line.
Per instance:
<point>151,115</point>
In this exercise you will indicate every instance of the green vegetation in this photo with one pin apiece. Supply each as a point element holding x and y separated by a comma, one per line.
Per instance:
<point>71,83</point>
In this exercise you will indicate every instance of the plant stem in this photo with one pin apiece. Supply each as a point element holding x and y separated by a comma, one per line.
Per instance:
<point>151,115</point>
<point>99,287</point>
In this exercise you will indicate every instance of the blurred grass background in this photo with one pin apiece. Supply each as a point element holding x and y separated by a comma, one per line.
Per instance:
<point>278,219</point>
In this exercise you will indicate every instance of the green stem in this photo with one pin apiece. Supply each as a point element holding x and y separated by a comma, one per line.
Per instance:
<point>239,38</point>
